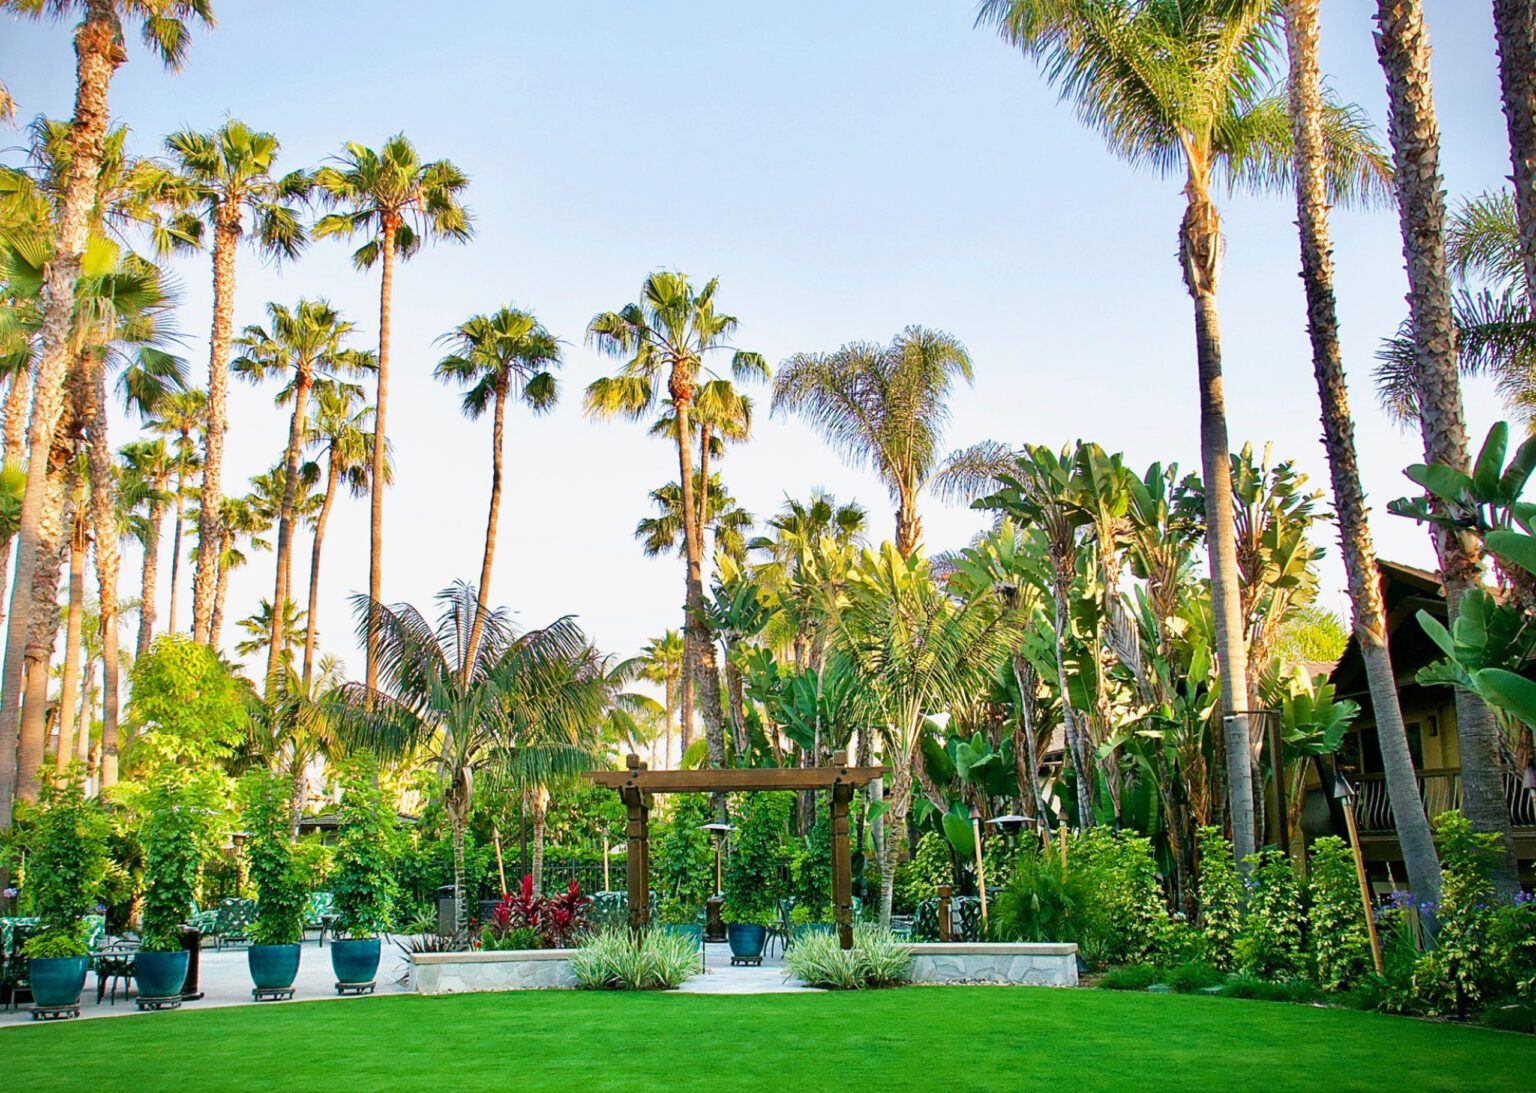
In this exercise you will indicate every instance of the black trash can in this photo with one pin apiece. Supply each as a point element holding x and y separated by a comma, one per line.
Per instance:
<point>447,912</point>
<point>192,941</point>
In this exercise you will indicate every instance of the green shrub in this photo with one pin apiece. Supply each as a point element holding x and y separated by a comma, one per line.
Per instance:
<point>363,877</point>
<point>281,897</point>
<point>1124,918</point>
<point>759,856</point>
<point>1220,892</point>
<point>180,810</point>
<point>621,960</point>
<point>1131,977</point>
<point>66,840</point>
<point>1244,985</point>
<point>517,937</point>
<point>1192,976</point>
<point>929,867</point>
<point>1270,944</point>
<point>877,959</point>
<point>1519,1017</point>
<point>1039,903</point>
<point>683,856</point>
<point>1341,948</point>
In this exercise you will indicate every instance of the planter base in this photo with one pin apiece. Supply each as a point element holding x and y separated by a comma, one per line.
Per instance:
<point>55,1013</point>
<point>272,994</point>
<point>355,988</point>
<point>170,1002</point>
<point>747,961</point>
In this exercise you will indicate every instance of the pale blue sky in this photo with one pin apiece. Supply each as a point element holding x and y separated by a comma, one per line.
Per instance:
<point>845,169</point>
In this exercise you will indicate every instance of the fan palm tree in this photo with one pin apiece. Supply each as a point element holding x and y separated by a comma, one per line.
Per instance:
<point>148,467</point>
<point>662,662</point>
<point>259,628</point>
<point>228,177</point>
<point>303,347</point>
<point>1402,45</point>
<point>505,354</point>
<point>180,415</point>
<point>884,406</point>
<point>395,202</point>
<point>520,711</point>
<point>241,520</point>
<point>1356,548</point>
<point>1182,86</point>
<point>98,42</point>
<point>341,427</point>
<point>665,339</point>
<point>726,521</point>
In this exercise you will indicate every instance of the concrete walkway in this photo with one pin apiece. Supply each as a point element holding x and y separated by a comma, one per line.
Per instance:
<point>721,978</point>
<point>225,980</point>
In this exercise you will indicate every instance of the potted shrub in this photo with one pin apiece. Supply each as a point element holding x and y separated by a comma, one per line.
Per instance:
<point>682,919</point>
<point>754,875</point>
<point>67,844</point>
<point>176,808</point>
<point>362,879</point>
<point>746,931</point>
<point>280,897</point>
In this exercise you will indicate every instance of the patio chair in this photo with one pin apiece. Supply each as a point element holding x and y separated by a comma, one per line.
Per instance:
<point>321,915</point>
<point>113,964</point>
<point>781,930</point>
<point>233,923</point>
<point>13,968</point>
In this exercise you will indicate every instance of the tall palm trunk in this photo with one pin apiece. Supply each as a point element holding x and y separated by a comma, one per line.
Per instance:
<point>498,427</point>
<point>1370,621</point>
<point>280,591</point>
<point>376,484</point>
<point>83,733</point>
<point>98,52</point>
<point>1026,758</point>
<point>16,400</point>
<point>1200,255</point>
<point>1076,743</point>
<point>176,526</point>
<point>909,525</point>
<point>103,479</point>
<point>698,665</point>
<point>667,754</point>
<point>298,796</point>
<point>538,806</point>
<point>69,680</point>
<point>894,827</point>
<point>332,476</point>
<point>220,591</point>
<point>1514,24</point>
<point>1402,44</point>
<point>226,236</point>
<point>149,578</point>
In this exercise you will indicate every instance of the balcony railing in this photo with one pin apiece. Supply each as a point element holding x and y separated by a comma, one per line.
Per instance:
<point>1440,790</point>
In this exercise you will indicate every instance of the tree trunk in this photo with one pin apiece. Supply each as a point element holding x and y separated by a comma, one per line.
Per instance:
<point>698,667</point>
<point>181,502</point>
<point>280,588</point>
<point>69,680</point>
<point>1356,549</point>
<point>900,800</point>
<point>459,910</point>
<point>376,483</point>
<point>16,406</point>
<point>483,594</point>
<point>1026,753</point>
<point>149,579</point>
<point>226,236</point>
<point>909,525</point>
<point>83,733</point>
<point>1076,750</point>
<point>299,794</point>
<point>1514,24</point>
<point>98,52</point>
<point>221,589</point>
<point>667,683</point>
<point>1200,254</point>
<point>332,475</point>
<point>1402,44</point>
<point>103,478</point>
<point>538,805</point>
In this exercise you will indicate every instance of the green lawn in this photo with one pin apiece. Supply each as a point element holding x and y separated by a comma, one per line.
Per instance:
<point>955,1038</point>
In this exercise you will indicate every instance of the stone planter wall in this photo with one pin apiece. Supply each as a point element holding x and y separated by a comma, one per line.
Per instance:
<point>1033,965</point>
<point>507,970</point>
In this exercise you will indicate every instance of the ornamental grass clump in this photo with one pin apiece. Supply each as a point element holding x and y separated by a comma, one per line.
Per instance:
<point>622,960</point>
<point>877,959</point>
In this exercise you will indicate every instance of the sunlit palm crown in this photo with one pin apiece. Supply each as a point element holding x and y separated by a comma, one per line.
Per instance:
<point>162,23</point>
<point>508,350</point>
<point>391,189</point>
<point>309,337</point>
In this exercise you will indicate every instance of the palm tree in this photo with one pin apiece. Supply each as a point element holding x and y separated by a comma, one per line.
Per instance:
<point>303,347</point>
<point>259,628</point>
<point>228,177</point>
<point>180,415</point>
<point>148,468</point>
<point>98,52</point>
<point>341,427</point>
<point>299,728</point>
<point>664,340</point>
<point>395,202</point>
<point>240,519</point>
<point>1402,44</point>
<point>1514,27</point>
<point>73,612</point>
<point>506,353</point>
<point>1359,555</point>
<point>884,406</point>
<point>724,519</point>
<point>662,662</point>
<point>1181,87</point>
<point>521,710</point>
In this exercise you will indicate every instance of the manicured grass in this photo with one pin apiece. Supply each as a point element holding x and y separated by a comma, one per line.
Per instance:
<point>955,1038</point>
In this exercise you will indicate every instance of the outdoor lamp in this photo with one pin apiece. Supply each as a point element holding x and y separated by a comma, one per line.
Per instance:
<point>1528,780</point>
<point>1011,824</point>
<point>1342,790</point>
<point>719,831</point>
<point>714,922</point>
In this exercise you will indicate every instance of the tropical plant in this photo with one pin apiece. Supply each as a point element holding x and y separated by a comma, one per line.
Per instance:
<point>145,478</point>
<point>395,202</point>
<point>186,704</point>
<point>66,858</point>
<point>626,960</point>
<point>754,872</point>
<point>877,959</point>
<point>179,808</point>
<point>180,415</point>
<point>662,662</point>
<point>274,870</point>
<point>362,877</point>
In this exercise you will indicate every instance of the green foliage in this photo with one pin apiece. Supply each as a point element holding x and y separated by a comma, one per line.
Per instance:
<point>1464,967</point>
<point>1340,946</point>
<point>518,937</point>
<point>180,811</point>
<point>930,866</point>
<point>877,959</point>
<point>1131,977</point>
<point>1270,944</point>
<point>759,856</point>
<point>1039,903</point>
<point>621,960</point>
<point>1221,899</point>
<point>682,855</point>
<point>280,894</point>
<point>810,870</point>
<point>363,878</point>
<point>1126,920</point>
<point>186,704</point>
<point>66,843</point>
<point>1244,985</point>
<point>1191,976</point>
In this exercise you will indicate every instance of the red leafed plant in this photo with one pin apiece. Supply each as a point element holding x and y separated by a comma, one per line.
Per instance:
<point>560,920</point>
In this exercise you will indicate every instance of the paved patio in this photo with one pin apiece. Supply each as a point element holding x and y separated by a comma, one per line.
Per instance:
<point>721,978</point>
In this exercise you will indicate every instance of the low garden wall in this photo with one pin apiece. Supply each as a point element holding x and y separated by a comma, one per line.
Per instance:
<point>1048,964</point>
<point>503,970</point>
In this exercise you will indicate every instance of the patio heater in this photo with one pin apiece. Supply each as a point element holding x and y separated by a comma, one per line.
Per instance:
<point>1345,794</point>
<point>714,923</point>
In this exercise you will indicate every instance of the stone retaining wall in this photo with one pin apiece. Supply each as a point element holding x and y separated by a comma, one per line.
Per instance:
<point>1034,965</point>
<point>506,970</point>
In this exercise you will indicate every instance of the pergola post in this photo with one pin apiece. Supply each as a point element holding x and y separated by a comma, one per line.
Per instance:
<point>842,859</point>
<point>637,872</point>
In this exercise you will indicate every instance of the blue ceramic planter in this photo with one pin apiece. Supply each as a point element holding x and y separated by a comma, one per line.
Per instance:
<point>57,980</point>
<point>160,975</point>
<point>692,933</point>
<point>273,967</point>
<point>746,942</point>
<point>355,960</point>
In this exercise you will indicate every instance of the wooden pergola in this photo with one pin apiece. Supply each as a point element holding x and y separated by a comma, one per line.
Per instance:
<point>637,786</point>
